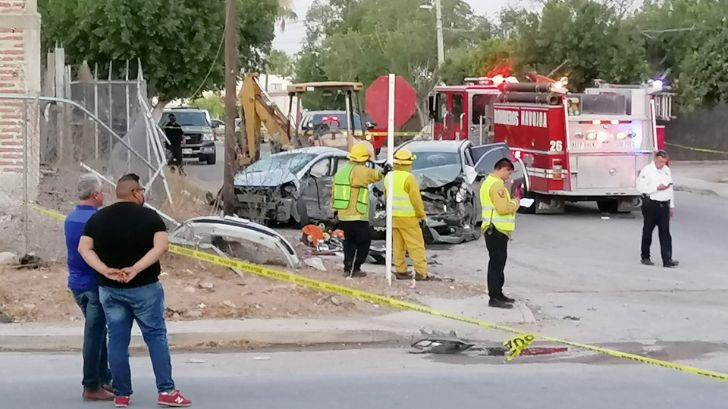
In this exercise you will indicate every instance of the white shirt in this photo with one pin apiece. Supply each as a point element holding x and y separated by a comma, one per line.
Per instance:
<point>650,178</point>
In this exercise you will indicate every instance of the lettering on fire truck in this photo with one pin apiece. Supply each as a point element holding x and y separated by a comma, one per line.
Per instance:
<point>527,118</point>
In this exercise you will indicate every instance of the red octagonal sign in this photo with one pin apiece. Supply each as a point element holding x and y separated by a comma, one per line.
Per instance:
<point>377,104</point>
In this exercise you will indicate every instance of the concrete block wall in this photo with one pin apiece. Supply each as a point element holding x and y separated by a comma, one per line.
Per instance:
<point>19,75</point>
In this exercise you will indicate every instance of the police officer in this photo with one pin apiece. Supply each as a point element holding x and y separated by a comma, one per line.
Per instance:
<point>351,203</point>
<point>408,212</point>
<point>658,206</point>
<point>499,222</point>
<point>175,136</point>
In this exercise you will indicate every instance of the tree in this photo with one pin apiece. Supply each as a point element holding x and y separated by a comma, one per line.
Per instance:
<point>359,40</point>
<point>177,41</point>
<point>582,39</point>
<point>280,63</point>
<point>686,42</point>
<point>213,103</point>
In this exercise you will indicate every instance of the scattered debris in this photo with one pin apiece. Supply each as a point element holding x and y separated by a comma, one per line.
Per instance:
<point>31,261</point>
<point>228,303</point>
<point>436,342</point>
<point>189,289</point>
<point>335,301</point>
<point>262,358</point>
<point>195,361</point>
<point>316,263</point>
<point>572,318</point>
<point>7,258</point>
<point>206,286</point>
<point>194,314</point>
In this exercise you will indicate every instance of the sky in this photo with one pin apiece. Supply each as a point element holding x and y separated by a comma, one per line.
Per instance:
<point>290,40</point>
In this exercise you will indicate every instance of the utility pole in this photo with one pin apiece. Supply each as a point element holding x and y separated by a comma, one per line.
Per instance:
<point>231,78</point>
<point>440,41</point>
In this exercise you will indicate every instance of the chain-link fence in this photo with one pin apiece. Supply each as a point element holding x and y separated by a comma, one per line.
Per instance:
<point>74,140</point>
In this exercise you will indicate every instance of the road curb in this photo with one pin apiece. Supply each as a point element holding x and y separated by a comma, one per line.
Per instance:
<point>207,341</point>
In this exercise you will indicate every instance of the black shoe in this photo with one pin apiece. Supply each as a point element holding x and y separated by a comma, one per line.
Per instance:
<point>497,303</point>
<point>504,298</point>
<point>670,263</point>
<point>647,262</point>
<point>402,276</point>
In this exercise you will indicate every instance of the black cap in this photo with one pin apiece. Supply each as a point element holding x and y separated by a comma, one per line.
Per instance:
<point>662,153</point>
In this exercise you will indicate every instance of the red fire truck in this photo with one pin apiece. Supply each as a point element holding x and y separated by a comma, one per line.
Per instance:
<point>575,147</point>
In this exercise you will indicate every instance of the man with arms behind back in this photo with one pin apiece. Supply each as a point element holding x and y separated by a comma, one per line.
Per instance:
<point>124,243</point>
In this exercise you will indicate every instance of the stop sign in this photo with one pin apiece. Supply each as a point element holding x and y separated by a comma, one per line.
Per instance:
<point>377,101</point>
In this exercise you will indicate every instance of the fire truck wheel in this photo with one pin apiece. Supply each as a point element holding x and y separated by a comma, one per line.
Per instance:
<point>531,209</point>
<point>608,205</point>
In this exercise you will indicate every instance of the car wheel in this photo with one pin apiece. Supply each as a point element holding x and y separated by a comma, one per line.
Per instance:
<point>211,159</point>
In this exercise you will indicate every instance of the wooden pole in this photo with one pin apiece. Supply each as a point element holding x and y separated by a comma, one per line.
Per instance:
<point>231,56</point>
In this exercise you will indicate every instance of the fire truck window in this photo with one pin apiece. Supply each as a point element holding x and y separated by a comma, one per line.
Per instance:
<point>604,104</point>
<point>439,107</point>
<point>457,107</point>
<point>482,106</point>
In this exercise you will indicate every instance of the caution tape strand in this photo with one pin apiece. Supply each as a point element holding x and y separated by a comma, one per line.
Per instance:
<point>690,148</point>
<point>515,348</point>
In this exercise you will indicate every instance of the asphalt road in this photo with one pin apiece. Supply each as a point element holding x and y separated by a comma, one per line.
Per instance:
<point>359,379</point>
<point>584,266</point>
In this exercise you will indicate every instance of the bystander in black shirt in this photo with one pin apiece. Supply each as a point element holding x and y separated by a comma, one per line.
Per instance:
<point>174,133</point>
<point>123,233</point>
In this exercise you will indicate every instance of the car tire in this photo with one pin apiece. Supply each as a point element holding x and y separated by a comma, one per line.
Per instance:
<point>211,159</point>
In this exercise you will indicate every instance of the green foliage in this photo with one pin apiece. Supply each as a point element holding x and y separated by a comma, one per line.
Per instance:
<point>213,103</point>
<point>175,40</point>
<point>280,63</point>
<point>359,40</point>
<point>687,40</point>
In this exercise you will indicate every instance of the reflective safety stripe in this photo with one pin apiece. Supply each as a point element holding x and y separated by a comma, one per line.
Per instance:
<point>401,205</point>
<point>504,223</point>
<point>342,191</point>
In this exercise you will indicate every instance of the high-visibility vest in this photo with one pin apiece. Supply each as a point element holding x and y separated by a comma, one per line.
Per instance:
<point>505,223</point>
<point>342,191</point>
<point>401,204</point>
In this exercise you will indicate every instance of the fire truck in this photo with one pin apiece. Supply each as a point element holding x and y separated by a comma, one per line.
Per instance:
<point>574,147</point>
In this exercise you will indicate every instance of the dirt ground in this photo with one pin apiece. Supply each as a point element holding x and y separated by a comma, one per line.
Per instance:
<point>197,290</point>
<point>193,289</point>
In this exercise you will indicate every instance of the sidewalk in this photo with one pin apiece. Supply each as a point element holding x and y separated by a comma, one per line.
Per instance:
<point>396,328</point>
<point>705,177</point>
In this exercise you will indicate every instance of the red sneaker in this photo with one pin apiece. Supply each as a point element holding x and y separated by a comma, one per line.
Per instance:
<point>122,401</point>
<point>173,399</point>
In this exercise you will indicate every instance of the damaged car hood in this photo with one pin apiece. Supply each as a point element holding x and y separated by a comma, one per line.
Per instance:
<point>271,178</point>
<point>435,177</point>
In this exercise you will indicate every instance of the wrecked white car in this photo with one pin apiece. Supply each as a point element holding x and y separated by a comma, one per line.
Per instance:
<point>293,186</point>
<point>449,174</point>
<point>237,238</point>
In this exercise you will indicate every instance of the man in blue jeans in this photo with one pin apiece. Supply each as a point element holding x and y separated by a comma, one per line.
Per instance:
<point>84,286</point>
<point>123,243</point>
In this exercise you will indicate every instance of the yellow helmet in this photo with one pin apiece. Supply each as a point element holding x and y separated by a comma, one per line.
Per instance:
<point>361,151</point>
<point>404,157</point>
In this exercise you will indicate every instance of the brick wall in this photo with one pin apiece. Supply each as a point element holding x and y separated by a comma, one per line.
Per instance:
<point>19,75</point>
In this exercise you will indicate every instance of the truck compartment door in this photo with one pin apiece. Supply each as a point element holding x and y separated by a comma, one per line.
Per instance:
<point>594,172</point>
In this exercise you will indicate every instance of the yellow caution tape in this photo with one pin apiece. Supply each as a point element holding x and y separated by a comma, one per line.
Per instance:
<point>690,148</point>
<point>515,346</point>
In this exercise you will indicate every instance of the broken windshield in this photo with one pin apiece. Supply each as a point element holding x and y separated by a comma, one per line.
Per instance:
<point>435,159</point>
<point>294,162</point>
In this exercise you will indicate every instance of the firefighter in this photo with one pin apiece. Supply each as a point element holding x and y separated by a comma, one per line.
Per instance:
<point>658,206</point>
<point>351,204</point>
<point>499,222</point>
<point>408,212</point>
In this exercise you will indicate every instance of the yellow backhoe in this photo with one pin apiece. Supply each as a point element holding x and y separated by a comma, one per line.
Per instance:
<point>284,134</point>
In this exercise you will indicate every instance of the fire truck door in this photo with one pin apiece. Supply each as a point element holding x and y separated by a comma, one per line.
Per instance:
<point>455,121</point>
<point>481,119</point>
